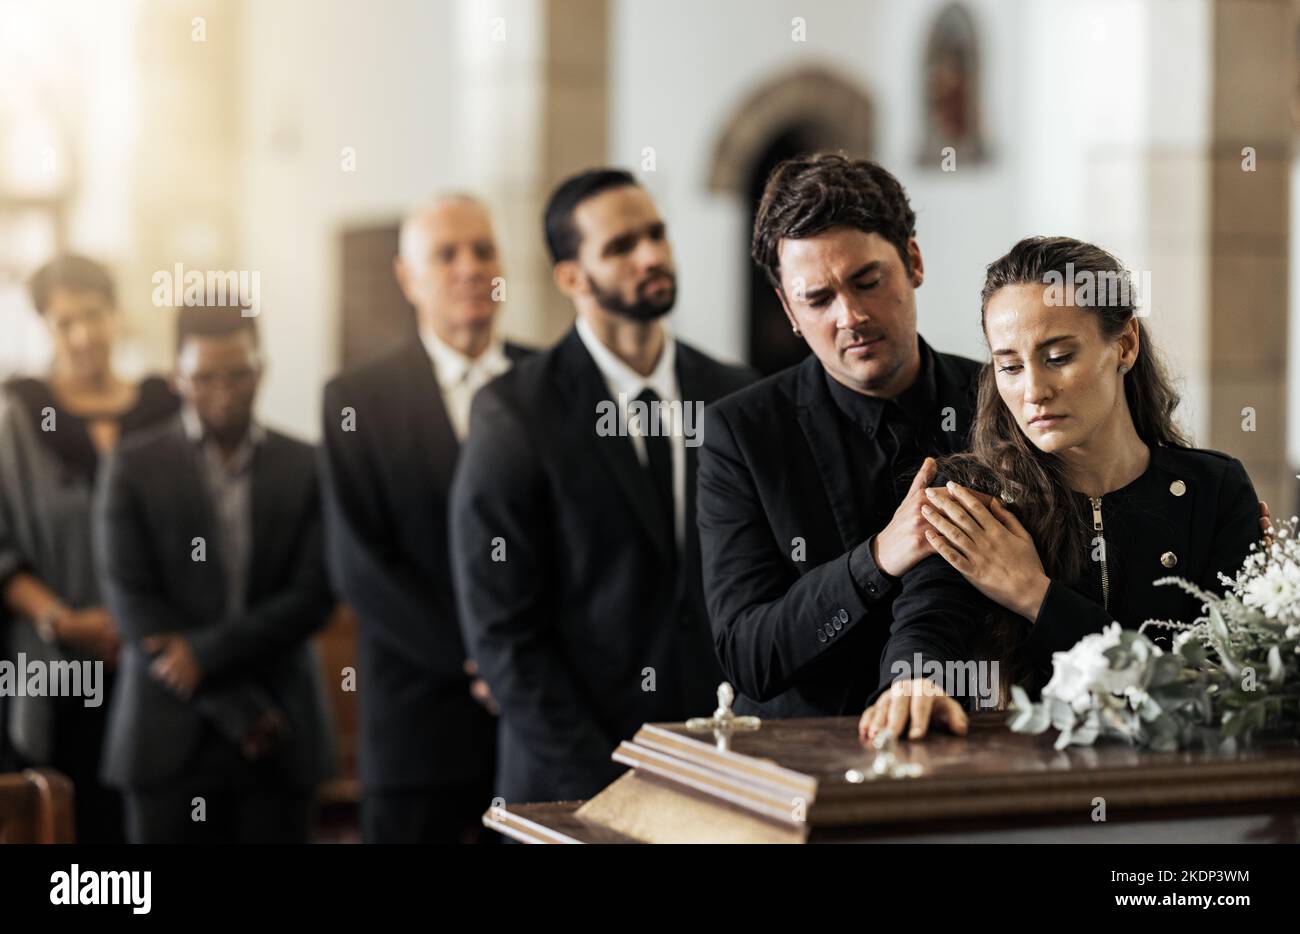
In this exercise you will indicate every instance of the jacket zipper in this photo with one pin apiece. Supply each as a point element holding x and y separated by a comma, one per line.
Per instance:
<point>1101,534</point>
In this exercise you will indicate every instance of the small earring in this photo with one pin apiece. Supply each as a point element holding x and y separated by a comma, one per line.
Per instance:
<point>1123,368</point>
<point>795,330</point>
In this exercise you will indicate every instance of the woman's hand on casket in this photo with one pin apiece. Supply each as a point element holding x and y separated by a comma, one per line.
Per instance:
<point>918,702</point>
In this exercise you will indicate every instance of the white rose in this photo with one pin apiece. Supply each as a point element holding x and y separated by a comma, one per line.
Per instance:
<point>1083,669</point>
<point>1069,682</point>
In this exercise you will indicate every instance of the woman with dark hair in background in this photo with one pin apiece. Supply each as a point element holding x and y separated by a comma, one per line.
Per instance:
<point>1079,492</point>
<point>53,434</point>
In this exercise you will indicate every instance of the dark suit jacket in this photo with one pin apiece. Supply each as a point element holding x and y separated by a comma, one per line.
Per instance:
<point>584,630</point>
<point>151,504</point>
<point>1208,527</point>
<point>386,488</point>
<point>797,638</point>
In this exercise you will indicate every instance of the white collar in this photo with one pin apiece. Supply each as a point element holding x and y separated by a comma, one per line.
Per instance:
<point>451,366</point>
<point>621,378</point>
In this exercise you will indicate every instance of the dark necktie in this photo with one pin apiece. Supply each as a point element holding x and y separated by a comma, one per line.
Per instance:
<point>659,462</point>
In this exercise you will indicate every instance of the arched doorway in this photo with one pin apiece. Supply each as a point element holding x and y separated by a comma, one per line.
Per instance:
<point>811,110</point>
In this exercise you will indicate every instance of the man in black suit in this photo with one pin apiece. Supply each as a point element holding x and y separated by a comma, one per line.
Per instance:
<point>811,481</point>
<point>577,568</point>
<point>393,430</point>
<point>210,541</point>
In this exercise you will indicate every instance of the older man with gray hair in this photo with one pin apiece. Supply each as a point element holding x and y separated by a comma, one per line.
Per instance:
<point>393,430</point>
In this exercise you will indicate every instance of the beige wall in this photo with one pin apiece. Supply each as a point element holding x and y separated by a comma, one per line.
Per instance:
<point>229,153</point>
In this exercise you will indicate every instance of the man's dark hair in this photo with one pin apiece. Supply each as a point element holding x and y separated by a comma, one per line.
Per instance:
<point>212,321</point>
<point>807,195</point>
<point>73,272</point>
<point>562,237</point>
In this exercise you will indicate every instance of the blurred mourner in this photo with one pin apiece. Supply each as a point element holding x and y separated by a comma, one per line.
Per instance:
<point>577,566</point>
<point>54,433</point>
<point>393,431</point>
<point>210,537</point>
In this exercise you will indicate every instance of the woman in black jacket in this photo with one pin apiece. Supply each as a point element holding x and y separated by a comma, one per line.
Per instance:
<point>1079,492</point>
<point>54,432</point>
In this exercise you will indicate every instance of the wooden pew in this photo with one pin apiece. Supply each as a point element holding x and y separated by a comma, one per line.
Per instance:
<point>36,807</point>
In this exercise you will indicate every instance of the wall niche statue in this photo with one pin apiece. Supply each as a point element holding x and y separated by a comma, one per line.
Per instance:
<point>951,85</point>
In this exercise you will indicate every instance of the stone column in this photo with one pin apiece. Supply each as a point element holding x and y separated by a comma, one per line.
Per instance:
<point>1247,248</point>
<point>533,110</point>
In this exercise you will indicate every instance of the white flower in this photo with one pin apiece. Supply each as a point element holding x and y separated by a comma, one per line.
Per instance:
<point>1069,682</point>
<point>1090,696</point>
<point>1084,668</point>
<point>1276,591</point>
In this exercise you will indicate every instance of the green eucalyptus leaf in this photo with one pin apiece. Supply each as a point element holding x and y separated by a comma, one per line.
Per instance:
<point>1193,652</point>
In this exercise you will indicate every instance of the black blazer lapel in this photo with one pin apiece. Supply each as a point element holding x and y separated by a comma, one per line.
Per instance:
<point>581,381</point>
<point>434,439</point>
<point>517,352</point>
<point>436,443</point>
<point>956,384</point>
<point>815,410</point>
<point>698,380</point>
<point>696,387</point>
<point>192,502</point>
<point>264,482</point>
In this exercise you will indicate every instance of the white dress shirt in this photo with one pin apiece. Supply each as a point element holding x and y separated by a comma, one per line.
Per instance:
<point>459,376</point>
<point>627,382</point>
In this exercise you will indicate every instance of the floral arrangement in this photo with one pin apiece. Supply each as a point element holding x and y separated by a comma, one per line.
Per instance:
<point>1231,673</point>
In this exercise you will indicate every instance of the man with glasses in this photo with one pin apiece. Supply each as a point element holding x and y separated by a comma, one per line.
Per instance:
<point>212,560</point>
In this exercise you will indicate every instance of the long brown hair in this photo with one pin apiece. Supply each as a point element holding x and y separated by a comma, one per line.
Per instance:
<point>1003,462</point>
